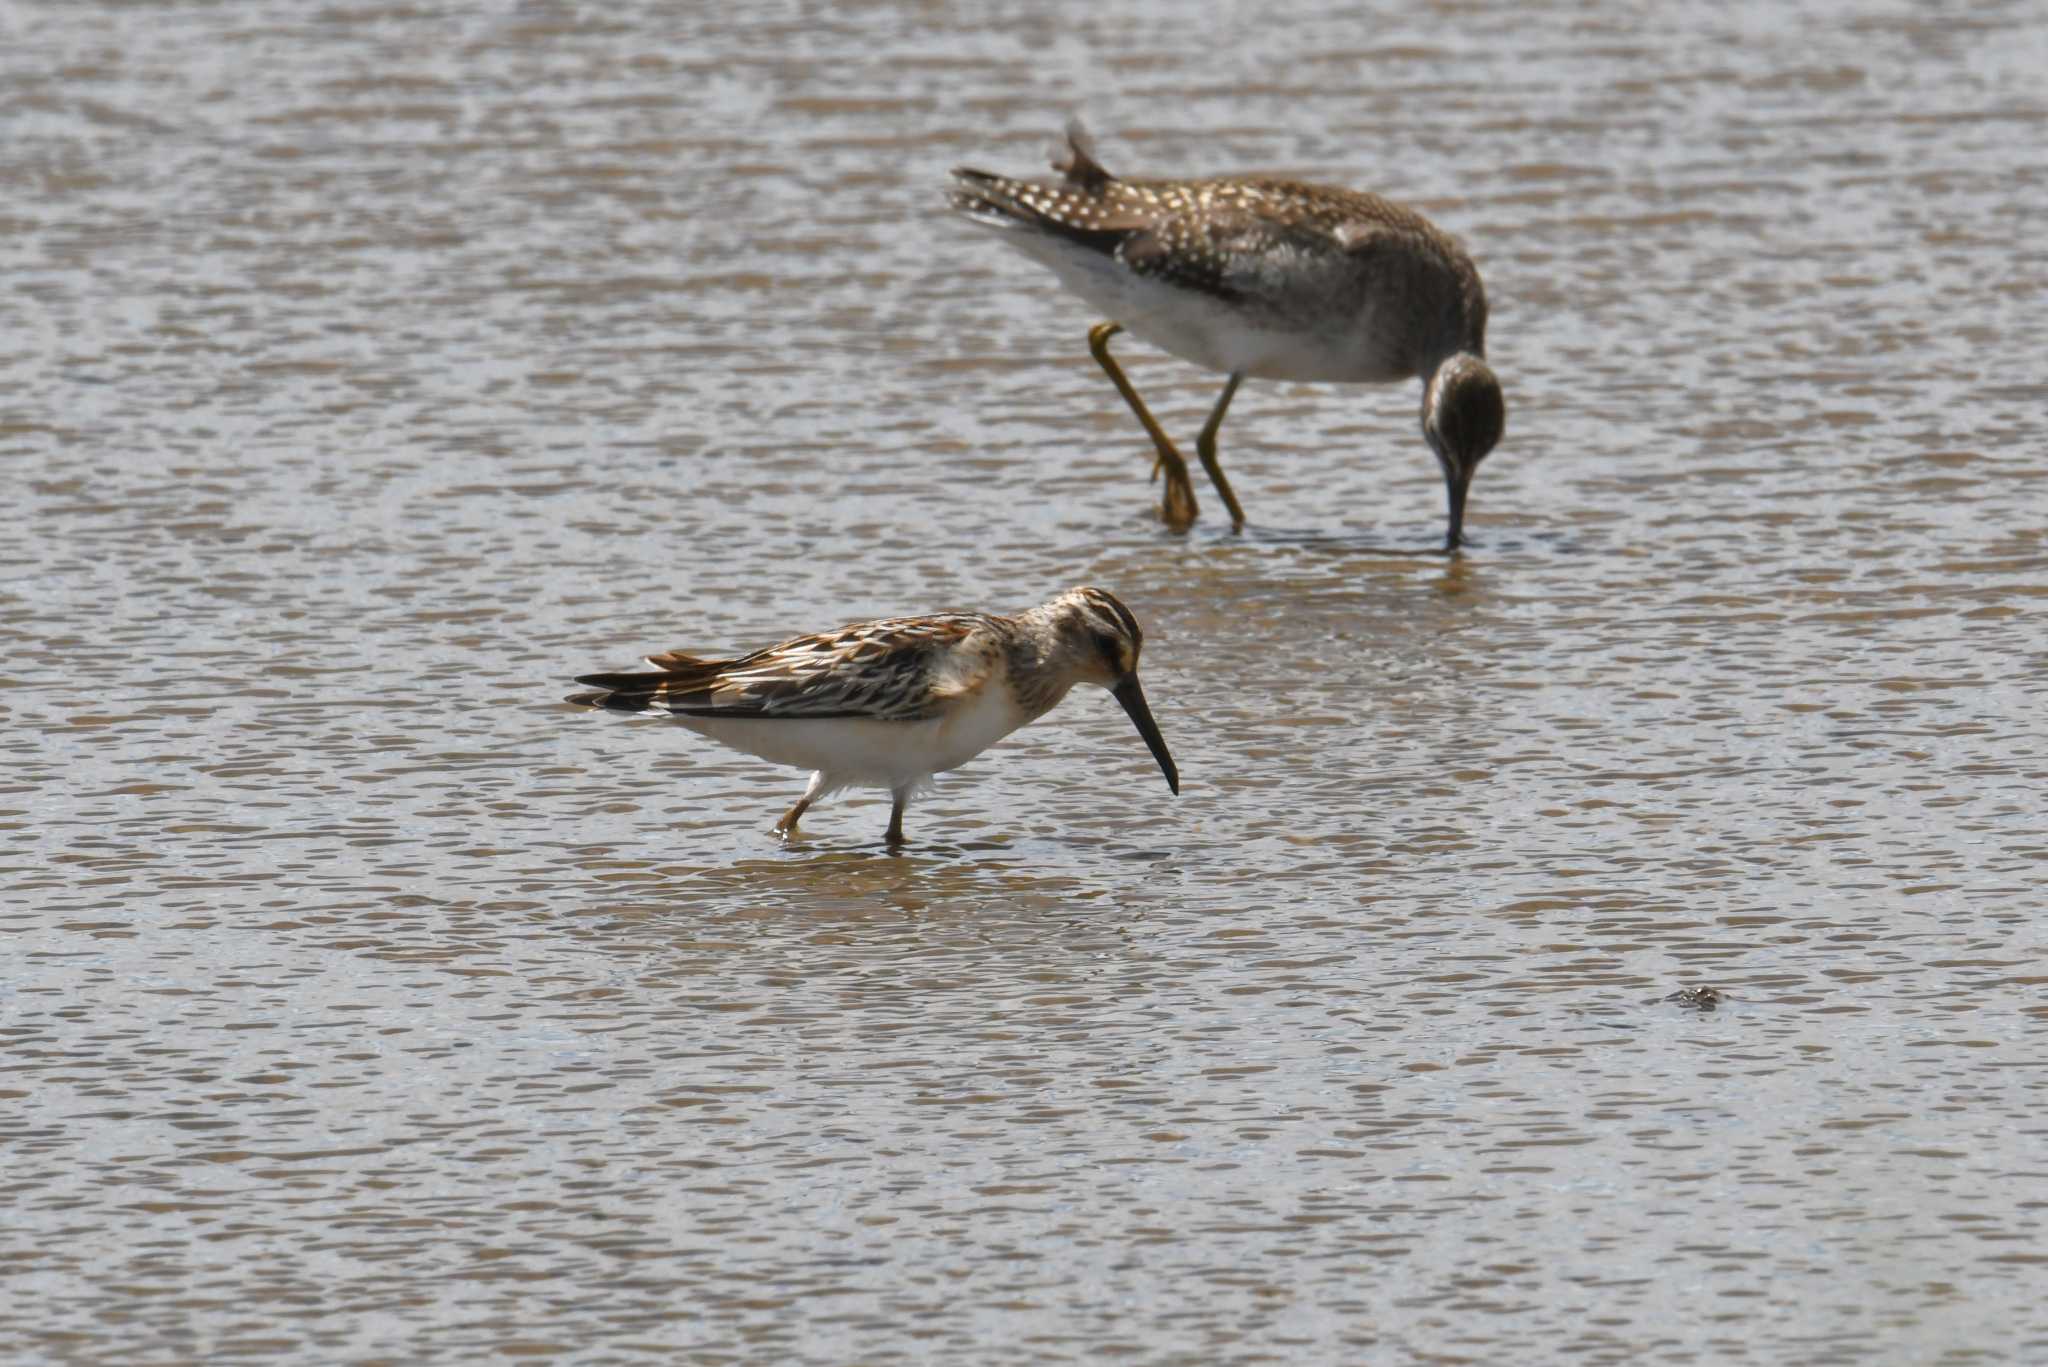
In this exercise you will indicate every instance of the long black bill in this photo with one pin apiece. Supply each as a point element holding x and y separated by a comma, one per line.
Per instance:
<point>1455,485</point>
<point>1133,698</point>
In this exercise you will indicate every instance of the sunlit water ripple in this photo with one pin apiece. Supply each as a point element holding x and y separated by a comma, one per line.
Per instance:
<point>365,375</point>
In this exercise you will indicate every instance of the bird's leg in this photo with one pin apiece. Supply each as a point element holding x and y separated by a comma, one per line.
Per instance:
<point>1205,447</point>
<point>792,816</point>
<point>895,833</point>
<point>1178,507</point>
<point>787,825</point>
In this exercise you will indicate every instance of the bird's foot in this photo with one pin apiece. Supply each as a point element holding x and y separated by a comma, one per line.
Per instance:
<point>1178,509</point>
<point>786,827</point>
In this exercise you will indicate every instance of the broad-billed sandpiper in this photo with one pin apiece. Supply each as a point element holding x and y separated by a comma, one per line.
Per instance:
<point>888,704</point>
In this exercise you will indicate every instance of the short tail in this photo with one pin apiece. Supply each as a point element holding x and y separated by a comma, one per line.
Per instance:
<point>1082,170</point>
<point>642,690</point>
<point>1003,202</point>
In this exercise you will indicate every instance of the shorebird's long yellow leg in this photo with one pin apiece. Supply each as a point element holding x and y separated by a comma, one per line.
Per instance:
<point>1205,447</point>
<point>792,816</point>
<point>1178,508</point>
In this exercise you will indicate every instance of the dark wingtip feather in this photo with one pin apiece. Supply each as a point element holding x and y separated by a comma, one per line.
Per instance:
<point>613,702</point>
<point>982,197</point>
<point>612,682</point>
<point>618,692</point>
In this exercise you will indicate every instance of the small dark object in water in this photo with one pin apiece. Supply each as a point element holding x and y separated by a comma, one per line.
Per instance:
<point>1698,998</point>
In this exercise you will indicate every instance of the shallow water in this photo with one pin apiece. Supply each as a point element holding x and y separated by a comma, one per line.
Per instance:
<point>366,374</point>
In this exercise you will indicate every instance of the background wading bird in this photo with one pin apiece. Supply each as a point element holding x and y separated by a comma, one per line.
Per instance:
<point>1265,278</point>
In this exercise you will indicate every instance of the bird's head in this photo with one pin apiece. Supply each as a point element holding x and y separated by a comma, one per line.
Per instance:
<point>1098,642</point>
<point>1463,416</point>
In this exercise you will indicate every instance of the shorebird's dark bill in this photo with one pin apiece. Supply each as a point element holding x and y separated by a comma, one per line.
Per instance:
<point>1455,486</point>
<point>1133,698</point>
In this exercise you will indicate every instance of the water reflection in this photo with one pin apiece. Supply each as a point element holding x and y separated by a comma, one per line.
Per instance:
<point>369,373</point>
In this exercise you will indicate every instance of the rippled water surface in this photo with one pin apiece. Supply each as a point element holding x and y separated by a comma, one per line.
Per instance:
<point>366,373</point>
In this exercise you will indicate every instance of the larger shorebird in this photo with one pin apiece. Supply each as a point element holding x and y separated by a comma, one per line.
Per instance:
<point>888,704</point>
<point>1261,278</point>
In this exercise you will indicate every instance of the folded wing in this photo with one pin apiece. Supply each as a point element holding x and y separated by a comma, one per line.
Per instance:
<point>886,671</point>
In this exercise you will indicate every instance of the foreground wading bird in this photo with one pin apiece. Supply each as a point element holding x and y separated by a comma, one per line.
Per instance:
<point>1264,278</point>
<point>888,704</point>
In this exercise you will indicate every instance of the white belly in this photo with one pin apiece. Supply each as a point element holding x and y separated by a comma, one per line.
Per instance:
<point>859,752</point>
<point>1197,327</point>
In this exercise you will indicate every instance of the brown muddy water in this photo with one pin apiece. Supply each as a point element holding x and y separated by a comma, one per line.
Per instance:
<point>366,373</point>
